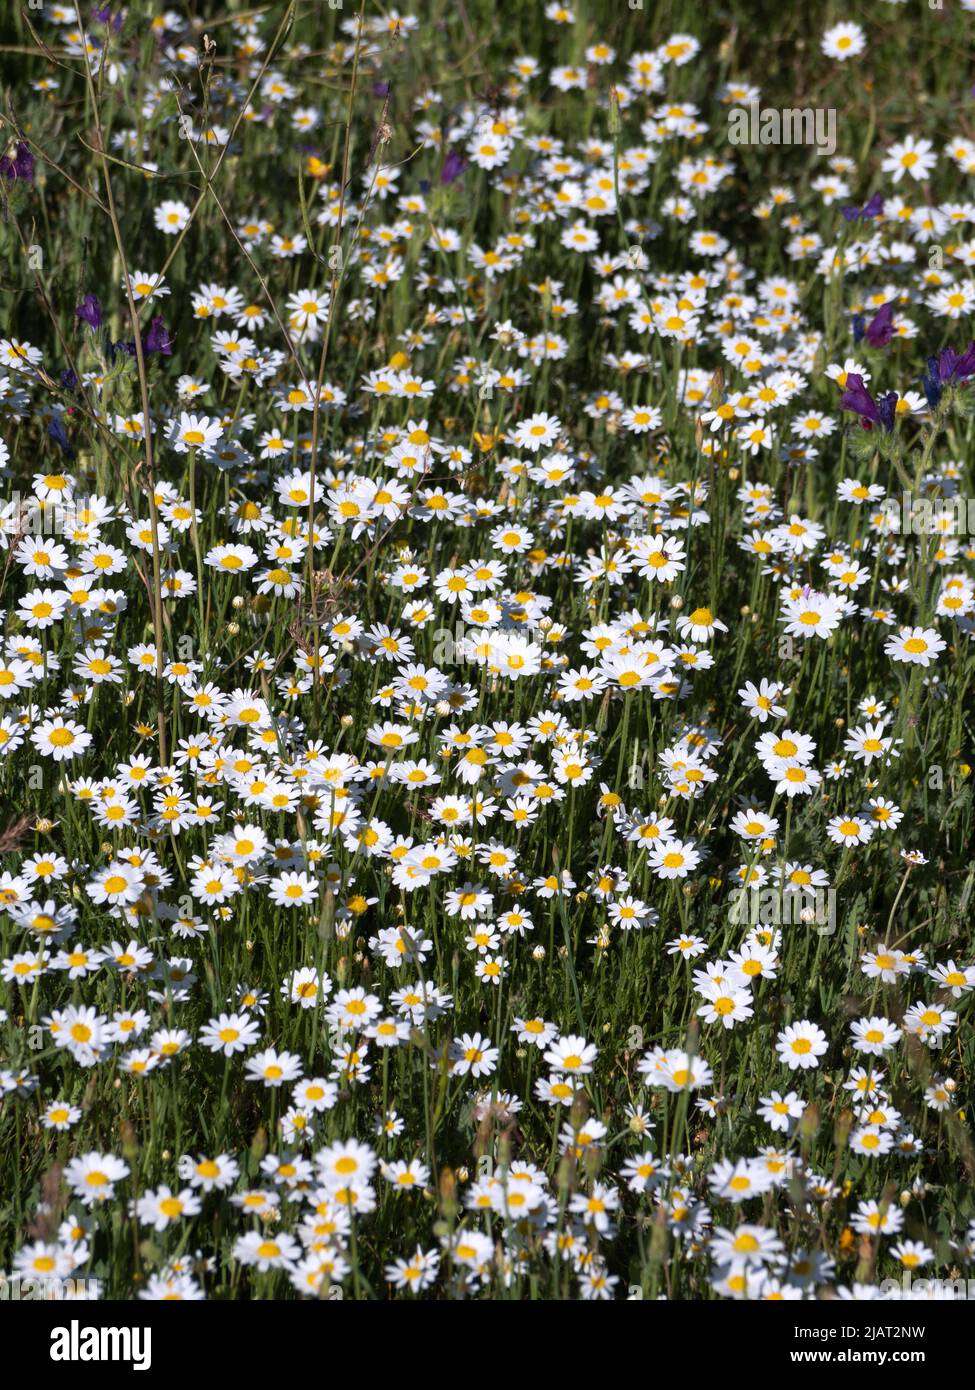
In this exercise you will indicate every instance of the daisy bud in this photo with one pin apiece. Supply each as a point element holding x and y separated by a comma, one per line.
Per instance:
<point>346,721</point>
<point>233,629</point>
<point>677,602</point>
<point>238,601</point>
<point>538,953</point>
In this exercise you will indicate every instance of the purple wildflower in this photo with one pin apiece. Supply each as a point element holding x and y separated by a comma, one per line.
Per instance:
<point>873,208</point>
<point>20,167</point>
<point>947,367</point>
<point>887,407</point>
<point>951,367</point>
<point>857,398</point>
<point>56,430</point>
<point>90,311</point>
<point>120,346</point>
<point>931,382</point>
<point>880,329</point>
<point>104,16</point>
<point>158,339</point>
<point>453,166</point>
